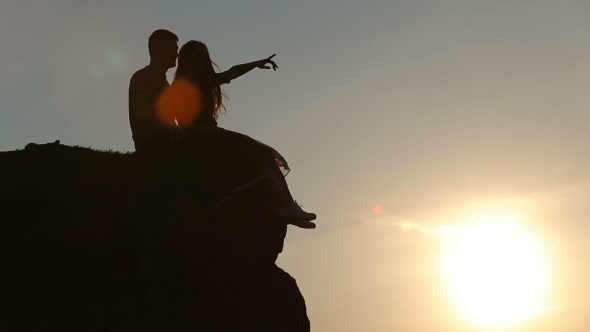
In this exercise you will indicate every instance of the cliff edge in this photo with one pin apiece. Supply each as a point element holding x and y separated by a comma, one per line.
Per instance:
<point>106,241</point>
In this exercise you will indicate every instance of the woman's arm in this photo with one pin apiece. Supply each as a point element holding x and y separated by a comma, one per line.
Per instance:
<point>239,70</point>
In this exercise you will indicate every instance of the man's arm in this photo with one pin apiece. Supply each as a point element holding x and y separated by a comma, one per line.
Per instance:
<point>140,107</point>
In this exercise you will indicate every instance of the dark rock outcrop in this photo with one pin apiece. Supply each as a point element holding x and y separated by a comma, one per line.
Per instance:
<point>104,241</point>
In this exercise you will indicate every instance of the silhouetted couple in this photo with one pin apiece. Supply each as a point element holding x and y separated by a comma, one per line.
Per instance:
<point>189,108</point>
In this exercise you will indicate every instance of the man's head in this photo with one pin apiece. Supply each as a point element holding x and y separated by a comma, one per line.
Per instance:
<point>163,48</point>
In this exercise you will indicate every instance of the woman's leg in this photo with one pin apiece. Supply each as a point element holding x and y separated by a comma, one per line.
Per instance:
<point>290,210</point>
<point>279,185</point>
<point>252,163</point>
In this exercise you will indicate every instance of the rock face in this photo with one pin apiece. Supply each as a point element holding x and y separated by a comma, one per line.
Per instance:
<point>103,241</point>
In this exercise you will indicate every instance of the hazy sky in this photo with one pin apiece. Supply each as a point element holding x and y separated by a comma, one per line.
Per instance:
<point>398,118</point>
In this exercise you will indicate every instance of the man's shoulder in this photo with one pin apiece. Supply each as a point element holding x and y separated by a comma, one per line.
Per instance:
<point>140,79</point>
<point>141,74</point>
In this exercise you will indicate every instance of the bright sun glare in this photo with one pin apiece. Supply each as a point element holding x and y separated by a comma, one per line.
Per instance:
<point>496,272</point>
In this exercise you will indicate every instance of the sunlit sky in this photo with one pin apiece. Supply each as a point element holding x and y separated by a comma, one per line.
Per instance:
<point>401,121</point>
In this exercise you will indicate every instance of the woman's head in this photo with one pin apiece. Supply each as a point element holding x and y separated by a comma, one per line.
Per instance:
<point>195,65</point>
<point>194,55</point>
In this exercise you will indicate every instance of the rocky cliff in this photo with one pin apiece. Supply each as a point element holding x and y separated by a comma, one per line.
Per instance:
<point>105,241</point>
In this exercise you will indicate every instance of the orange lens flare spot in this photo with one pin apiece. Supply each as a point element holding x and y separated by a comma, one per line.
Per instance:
<point>180,104</point>
<point>377,209</point>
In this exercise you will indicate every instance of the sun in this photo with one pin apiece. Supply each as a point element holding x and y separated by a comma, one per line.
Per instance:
<point>496,272</point>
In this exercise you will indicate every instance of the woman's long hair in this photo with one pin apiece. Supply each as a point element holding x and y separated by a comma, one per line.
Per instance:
<point>202,78</point>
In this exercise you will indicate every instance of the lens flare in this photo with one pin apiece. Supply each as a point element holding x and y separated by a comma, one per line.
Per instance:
<point>92,56</point>
<point>114,60</point>
<point>180,104</point>
<point>377,209</point>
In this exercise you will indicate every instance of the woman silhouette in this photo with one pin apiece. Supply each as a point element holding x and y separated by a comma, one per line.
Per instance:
<point>254,159</point>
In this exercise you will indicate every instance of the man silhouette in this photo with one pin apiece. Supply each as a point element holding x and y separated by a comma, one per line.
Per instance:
<point>147,84</point>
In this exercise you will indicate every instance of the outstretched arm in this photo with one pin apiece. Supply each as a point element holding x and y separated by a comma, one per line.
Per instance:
<point>239,70</point>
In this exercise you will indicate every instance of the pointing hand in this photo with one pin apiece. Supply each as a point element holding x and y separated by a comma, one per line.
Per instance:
<point>263,64</point>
